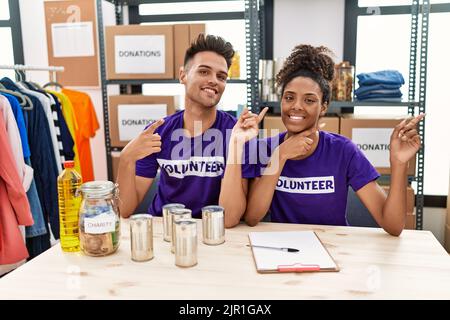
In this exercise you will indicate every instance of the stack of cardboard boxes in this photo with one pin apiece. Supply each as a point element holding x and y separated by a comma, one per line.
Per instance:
<point>129,114</point>
<point>143,52</point>
<point>115,158</point>
<point>372,136</point>
<point>148,52</point>
<point>184,35</point>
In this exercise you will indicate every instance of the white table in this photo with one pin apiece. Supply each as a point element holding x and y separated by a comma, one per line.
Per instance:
<point>373,265</point>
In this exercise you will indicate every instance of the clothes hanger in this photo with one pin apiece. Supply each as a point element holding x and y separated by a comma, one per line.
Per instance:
<point>28,85</point>
<point>24,101</point>
<point>36,85</point>
<point>29,105</point>
<point>22,78</point>
<point>53,84</point>
<point>18,75</point>
<point>19,97</point>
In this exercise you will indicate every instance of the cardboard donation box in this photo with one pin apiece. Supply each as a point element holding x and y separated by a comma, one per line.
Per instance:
<point>181,43</point>
<point>272,123</point>
<point>331,124</point>
<point>130,114</point>
<point>194,30</point>
<point>139,52</point>
<point>183,35</point>
<point>372,136</point>
<point>115,158</point>
<point>410,203</point>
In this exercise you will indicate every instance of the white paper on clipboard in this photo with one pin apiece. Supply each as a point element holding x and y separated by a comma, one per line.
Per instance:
<point>73,39</point>
<point>311,252</point>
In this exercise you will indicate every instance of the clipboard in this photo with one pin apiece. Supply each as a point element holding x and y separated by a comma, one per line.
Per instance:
<point>312,255</point>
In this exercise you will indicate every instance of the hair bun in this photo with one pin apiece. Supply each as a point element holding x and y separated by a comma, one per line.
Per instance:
<point>306,57</point>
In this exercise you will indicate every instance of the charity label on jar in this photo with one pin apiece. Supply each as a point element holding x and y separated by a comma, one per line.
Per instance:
<point>100,224</point>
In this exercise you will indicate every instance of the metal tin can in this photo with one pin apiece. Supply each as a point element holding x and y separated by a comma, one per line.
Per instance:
<point>141,229</point>
<point>213,225</point>
<point>167,222</point>
<point>175,215</point>
<point>185,242</point>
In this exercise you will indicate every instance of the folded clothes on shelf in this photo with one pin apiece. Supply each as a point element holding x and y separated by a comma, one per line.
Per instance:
<point>380,94</point>
<point>380,99</point>
<point>381,85</point>
<point>381,77</point>
<point>368,88</point>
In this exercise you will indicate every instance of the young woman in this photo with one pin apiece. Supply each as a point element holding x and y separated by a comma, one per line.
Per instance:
<point>309,171</point>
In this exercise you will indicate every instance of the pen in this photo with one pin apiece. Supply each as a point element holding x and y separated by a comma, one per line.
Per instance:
<point>276,248</point>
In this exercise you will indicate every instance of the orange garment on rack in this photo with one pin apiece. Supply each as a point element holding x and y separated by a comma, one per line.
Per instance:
<point>69,116</point>
<point>14,205</point>
<point>87,125</point>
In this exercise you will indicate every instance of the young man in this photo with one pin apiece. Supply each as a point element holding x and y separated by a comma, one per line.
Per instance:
<point>188,146</point>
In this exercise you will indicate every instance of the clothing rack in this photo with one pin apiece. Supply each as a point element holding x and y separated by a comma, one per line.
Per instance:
<point>21,67</point>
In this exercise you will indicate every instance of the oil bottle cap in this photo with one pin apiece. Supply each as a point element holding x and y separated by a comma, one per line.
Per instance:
<point>69,164</point>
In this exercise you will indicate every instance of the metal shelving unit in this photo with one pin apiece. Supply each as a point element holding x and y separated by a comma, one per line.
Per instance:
<point>252,18</point>
<point>255,37</point>
<point>418,8</point>
<point>337,106</point>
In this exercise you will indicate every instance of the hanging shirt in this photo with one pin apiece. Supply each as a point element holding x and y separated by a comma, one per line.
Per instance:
<point>66,139</point>
<point>314,190</point>
<point>38,228</point>
<point>72,124</point>
<point>24,171</point>
<point>42,158</point>
<point>45,103</point>
<point>87,125</point>
<point>57,124</point>
<point>55,116</point>
<point>191,168</point>
<point>18,115</point>
<point>14,207</point>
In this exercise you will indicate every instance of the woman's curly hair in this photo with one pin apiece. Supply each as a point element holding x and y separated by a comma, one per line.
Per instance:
<point>312,62</point>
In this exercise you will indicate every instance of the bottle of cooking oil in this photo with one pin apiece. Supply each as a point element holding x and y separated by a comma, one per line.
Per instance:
<point>235,72</point>
<point>69,200</point>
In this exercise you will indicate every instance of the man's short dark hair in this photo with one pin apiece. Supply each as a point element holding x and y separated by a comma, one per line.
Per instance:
<point>210,43</point>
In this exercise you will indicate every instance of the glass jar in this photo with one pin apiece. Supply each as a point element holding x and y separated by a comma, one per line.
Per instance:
<point>343,82</point>
<point>99,218</point>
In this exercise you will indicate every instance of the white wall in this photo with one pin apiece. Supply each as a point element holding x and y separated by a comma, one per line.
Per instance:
<point>35,51</point>
<point>34,38</point>
<point>318,22</point>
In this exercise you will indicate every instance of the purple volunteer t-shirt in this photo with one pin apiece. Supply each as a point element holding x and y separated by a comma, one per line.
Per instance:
<point>314,190</point>
<point>191,168</point>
